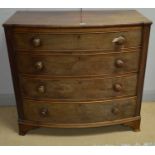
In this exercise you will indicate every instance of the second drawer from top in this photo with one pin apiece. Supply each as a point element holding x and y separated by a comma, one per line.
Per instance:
<point>78,65</point>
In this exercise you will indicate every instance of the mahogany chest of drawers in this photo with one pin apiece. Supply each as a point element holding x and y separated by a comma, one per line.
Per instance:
<point>74,69</point>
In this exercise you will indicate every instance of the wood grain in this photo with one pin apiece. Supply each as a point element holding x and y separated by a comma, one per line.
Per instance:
<point>96,18</point>
<point>79,113</point>
<point>79,88</point>
<point>76,41</point>
<point>13,66</point>
<point>142,66</point>
<point>76,30</point>
<point>77,65</point>
<point>64,68</point>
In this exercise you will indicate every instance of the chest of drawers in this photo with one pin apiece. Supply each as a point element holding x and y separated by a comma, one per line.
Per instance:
<point>77,69</point>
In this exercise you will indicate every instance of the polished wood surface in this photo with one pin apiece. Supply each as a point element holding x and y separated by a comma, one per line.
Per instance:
<point>13,66</point>
<point>76,18</point>
<point>79,89</point>
<point>77,69</point>
<point>88,41</point>
<point>79,112</point>
<point>25,125</point>
<point>142,66</point>
<point>78,65</point>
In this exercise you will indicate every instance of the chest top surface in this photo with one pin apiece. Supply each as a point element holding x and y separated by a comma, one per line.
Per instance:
<point>76,18</point>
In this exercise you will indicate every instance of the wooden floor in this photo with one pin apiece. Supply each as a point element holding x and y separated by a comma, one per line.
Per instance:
<point>113,135</point>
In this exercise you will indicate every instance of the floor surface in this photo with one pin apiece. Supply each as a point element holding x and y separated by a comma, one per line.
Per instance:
<point>112,135</point>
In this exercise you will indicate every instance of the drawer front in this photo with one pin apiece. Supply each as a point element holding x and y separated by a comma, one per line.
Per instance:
<point>78,65</point>
<point>79,112</point>
<point>79,89</point>
<point>85,41</point>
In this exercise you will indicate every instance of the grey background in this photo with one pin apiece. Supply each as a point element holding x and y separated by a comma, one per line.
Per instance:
<point>6,87</point>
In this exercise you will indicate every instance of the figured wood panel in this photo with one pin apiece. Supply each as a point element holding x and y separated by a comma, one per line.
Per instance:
<point>77,65</point>
<point>78,88</point>
<point>50,112</point>
<point>85,41</point>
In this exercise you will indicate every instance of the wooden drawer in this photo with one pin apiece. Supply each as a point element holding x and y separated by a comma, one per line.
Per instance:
<point>79,88</point>
<point>78,65</point>
<point>82,41</point>
<point>47,112</point>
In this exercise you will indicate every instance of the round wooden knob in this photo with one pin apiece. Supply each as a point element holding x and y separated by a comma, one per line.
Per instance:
<point>119,63</point>
<point>39,65</point>
<point>115,111</point>
<point>117,87</point>
<point>36,42</point>
<point>41,89</point>
<point>44,112</point>
<point>119,40</point>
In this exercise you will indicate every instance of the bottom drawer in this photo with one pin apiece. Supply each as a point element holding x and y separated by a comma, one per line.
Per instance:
<point>88,112</point>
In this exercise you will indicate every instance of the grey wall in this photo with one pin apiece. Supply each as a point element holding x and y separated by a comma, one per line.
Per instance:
<point>6,88</point>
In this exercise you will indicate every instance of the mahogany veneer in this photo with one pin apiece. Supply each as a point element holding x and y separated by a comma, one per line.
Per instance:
<point>74,69</point>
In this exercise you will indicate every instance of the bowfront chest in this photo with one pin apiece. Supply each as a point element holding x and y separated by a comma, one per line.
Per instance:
<point>74,69</point>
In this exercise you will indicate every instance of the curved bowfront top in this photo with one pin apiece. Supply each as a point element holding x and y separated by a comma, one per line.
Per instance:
<point>76,18</point>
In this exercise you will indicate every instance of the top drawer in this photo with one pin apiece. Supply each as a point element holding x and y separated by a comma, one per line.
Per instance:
<point>78,41</point>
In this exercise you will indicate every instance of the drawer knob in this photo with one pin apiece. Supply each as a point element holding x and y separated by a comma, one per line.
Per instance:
<point>115,111</point>
<point>36,42</point>
<point>41,89</point>
<point>117,87</point>
<point>44,112</point>
<point>119,40</point>
<point>39,65</point>
<point>119,63</point>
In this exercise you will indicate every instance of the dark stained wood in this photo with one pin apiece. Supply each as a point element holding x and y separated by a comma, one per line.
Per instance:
<point>13,66</point>
<point>135,125</point>
<point>142,66</point>
<point>78,65</point>
<point>24,128</point>
<point>79,113</point>
<point>78,89</point>
<point>77,69</point>
<point>79,125</point>
<point>85,41</point>
<point>76,19</point>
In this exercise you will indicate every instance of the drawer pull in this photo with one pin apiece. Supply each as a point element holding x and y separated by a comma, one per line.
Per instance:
<point>117,87</point>
<point>119,40</point>
<point>115,111</point>
<point>41,89</point>
<point>36,42</point>
<point>44,112</point>
<point>119,63</point>
<point>39,65</point>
